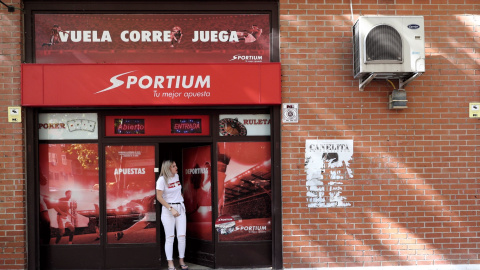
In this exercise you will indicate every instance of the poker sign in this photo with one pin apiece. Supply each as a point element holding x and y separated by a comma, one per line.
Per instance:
<point>68,126</point>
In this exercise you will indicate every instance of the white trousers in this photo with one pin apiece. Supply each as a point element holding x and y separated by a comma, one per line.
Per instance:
<point>170,224</point>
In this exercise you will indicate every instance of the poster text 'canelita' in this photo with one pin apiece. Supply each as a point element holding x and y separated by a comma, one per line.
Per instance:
<point>329,147</point>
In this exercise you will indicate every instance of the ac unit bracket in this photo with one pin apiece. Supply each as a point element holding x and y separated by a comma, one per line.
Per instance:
<point>363,82</point>
<point>402,82</point>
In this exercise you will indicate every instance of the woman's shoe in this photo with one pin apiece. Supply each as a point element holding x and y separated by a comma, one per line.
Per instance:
<point>184,266</point>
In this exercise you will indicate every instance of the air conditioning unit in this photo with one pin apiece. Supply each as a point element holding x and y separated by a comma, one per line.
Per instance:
<point>388,47</point>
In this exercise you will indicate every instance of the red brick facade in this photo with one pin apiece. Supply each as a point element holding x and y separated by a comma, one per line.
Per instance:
<point>415,191</point>
<point>415,194</point>
<point>13,246</point>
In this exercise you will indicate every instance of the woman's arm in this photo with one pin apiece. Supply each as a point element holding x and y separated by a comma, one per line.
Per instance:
<point>164,203</point>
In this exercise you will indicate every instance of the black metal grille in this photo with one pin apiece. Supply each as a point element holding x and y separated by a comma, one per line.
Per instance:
<point>383,43</point>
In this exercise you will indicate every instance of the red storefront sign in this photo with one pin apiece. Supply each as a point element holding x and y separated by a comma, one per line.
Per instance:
<point>151,84</point>
<point>152,38</point>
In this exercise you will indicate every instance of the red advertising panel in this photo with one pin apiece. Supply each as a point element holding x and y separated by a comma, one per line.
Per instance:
<point>157,125</point>
<point>151,85</point>
<point>197,191</point>
<point>152,38</point>
<point>130,181</point>
<point>244,191</point>
<point>69,196</point>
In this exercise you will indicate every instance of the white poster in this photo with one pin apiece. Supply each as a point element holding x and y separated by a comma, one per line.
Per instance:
<point>68,126</point>
<point>244,124</point>
<point>327,165</point>
<point>290,112</point>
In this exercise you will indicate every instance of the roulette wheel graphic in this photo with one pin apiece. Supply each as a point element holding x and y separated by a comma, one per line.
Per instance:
<point>232,127</point>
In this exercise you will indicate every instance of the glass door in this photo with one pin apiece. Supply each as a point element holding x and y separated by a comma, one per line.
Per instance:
<point>197,192</point>
<point>194,169</point>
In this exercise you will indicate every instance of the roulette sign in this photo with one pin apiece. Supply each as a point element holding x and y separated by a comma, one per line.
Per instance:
<point>232,127</point>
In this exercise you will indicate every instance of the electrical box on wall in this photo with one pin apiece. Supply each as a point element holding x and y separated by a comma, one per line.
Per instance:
<point>14,114</point>
<point>474,110</point>
<point>388,47</point>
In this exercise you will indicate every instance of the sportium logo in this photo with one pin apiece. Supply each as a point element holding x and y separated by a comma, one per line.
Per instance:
<point>247,58</point>
<point>157,82</point>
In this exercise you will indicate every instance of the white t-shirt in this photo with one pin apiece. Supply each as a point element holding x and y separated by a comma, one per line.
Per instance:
<point>173,192</point>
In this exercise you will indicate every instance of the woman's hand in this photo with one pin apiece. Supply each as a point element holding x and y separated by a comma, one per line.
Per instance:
<point>175,213</point>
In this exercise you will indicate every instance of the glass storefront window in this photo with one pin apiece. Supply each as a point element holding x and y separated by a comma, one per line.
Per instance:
<point>244,191</point>
<point>69,196</point>
<point>130,182</point>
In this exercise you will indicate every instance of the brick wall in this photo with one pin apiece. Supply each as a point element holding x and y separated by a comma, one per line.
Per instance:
<point>12,171</point>
<point>415,192</point>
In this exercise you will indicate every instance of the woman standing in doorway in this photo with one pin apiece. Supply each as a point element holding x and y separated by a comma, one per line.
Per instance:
<point>169,194</point>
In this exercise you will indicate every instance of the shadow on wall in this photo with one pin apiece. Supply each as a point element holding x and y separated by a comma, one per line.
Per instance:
<point>414,192</point>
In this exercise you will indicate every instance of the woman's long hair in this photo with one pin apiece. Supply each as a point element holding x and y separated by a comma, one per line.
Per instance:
<point>165,171</point>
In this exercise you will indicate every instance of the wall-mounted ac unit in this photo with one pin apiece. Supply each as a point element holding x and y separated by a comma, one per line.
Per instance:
<point>388,47</point>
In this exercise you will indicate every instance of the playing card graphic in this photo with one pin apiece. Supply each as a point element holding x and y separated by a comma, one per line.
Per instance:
<point>71,125</point>
<point>78,124</point>
<point>90,126</point>
<point>84,124</point>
